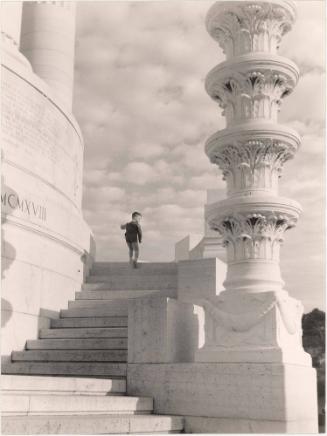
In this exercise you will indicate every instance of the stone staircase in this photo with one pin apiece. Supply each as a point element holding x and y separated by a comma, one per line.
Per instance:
<point>72,380</point>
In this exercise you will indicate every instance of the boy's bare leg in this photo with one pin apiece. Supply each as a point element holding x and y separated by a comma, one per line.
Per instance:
<point>136,253</point>
<point>130,248</point>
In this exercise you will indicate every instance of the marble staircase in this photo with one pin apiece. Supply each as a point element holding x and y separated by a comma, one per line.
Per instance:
<point>72,379</point>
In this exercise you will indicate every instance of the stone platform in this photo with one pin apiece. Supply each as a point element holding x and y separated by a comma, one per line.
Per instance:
<point>231,398</point>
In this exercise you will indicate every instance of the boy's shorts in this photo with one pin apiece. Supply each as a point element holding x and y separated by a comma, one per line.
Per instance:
<point>133,246</point>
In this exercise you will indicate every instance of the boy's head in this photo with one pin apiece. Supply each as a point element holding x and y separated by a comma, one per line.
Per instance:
<point>136,216</point>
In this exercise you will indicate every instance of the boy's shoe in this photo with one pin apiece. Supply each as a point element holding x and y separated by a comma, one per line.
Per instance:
<point>135,264</point>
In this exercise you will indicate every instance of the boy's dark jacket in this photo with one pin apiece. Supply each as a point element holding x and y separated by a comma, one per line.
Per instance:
<point>133,231</point>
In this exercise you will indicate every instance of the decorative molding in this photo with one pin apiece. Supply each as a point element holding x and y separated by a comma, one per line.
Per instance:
<point>43,232</point>
<point>252,164</point>
<point>243,27</point>
<point>235,317</point>
<point>258,130</point>
<point>44,181</point>
<point>253,235</point>
<point>251,95</point>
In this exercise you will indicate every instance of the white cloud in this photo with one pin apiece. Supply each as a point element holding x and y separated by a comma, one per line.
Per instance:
<point>139,173</point>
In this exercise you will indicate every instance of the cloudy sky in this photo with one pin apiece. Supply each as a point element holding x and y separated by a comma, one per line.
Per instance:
<point>141,104</point>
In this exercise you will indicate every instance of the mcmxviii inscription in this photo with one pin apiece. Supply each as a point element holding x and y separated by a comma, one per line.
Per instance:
<point>28,207</point>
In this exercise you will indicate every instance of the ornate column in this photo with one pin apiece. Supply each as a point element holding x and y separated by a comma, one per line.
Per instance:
<point>48,42</point>
<point>254,319</point>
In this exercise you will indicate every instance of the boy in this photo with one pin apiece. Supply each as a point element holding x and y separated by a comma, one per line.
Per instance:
<point>133,236</point>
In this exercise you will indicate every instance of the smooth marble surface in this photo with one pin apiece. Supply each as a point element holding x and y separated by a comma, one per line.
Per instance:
<point>260,392</point>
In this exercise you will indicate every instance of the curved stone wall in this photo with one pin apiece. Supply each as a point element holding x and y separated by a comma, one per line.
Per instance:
<point>47,246</point>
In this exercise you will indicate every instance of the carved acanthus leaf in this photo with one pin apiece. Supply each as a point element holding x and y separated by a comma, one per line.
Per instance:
<point>254,235</point>
<point>252,155</point>
<point>256,94</point>
<point>241,28</point>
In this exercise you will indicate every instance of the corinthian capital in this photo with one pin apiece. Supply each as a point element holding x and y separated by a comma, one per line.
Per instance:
<point>251,90</point>
<point>252,159</point>
<point>250,26</point>
<point>254,235</point>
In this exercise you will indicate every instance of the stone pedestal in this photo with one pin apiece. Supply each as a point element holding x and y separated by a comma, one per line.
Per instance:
<point>258,327</point>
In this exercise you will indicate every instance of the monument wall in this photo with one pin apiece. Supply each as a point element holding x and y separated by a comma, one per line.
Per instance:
<point>46,245</point>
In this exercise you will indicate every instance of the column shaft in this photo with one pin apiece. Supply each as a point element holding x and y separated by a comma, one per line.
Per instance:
<point>48,42</point>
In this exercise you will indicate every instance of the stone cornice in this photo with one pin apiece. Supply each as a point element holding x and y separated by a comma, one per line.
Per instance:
<point>237,68</point>
<point>251,131</point>
<point>253,62</point>
<point>256,204</point>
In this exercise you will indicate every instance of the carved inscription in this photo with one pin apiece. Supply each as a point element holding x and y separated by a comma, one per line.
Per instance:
<point>10,200</point>
<point>39,138</point>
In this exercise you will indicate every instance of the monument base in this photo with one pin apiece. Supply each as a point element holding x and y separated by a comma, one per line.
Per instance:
<point>47,247</point>
<point>233,397</point>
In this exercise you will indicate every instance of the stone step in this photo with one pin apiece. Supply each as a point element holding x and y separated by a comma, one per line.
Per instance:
<point>160,282</point>
<point>96,332</point>
<point>105,286</point>
<point>91,424</point>
<point>107,294</point>
<point>31,404</point>
<point>70,355</point>
<point>103,310</point>
<point>88,369</point>
<point>63,385</point>
<point>122,268</point>
<point>117,303</point>
<point>77,344</point>
<point>109,321</point>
